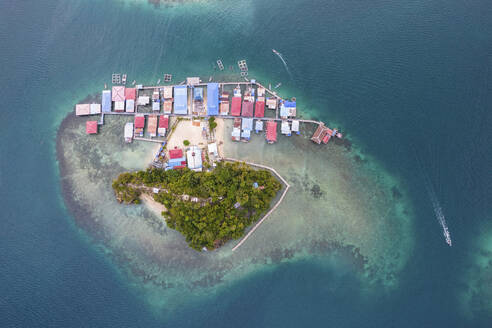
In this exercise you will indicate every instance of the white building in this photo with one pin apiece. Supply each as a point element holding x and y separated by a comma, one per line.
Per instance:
<point>212,149</point>
<point>128,132</point>
<point>194,158</point>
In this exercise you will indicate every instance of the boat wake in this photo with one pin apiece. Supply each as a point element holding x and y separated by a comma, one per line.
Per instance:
<point>279,55</point>
<point>439,214</point>
<point>435,203</point>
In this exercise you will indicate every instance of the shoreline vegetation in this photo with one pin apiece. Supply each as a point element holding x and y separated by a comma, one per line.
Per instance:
<point>208,208</point>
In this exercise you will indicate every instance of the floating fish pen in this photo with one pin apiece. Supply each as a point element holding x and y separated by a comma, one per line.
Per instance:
<point>220,65</point>
<point>242,65</point>
<point>168,77</point>
<point>258,126</point>
<point>116,78</point>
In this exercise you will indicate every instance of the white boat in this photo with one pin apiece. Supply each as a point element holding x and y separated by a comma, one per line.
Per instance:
<point>123,79</point>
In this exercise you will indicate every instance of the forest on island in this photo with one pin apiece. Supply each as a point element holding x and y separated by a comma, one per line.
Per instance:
<point>208,208</point>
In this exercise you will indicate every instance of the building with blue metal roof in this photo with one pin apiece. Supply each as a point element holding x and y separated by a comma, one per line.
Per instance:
<point>181,99</point>
<point>212,99</point>
<point>106,101</point>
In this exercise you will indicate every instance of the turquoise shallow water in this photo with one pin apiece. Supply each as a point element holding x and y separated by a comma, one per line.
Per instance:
<point>398,77</point>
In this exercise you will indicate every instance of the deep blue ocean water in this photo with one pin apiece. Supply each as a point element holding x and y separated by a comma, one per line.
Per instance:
<point>408,81</point>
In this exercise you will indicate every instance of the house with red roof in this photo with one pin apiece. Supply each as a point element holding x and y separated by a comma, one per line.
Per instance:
<point>91,127</point>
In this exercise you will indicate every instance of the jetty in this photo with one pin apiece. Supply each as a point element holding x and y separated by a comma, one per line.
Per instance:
<point>287,187</point>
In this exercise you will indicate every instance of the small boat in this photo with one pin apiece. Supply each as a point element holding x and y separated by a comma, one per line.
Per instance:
<point>123,79</point>
<point>278,85</point>
<point>158,81</point>
<point>134,81</point>
<point>105,86</point>
<point>210,79</point>
<point>275,52</point>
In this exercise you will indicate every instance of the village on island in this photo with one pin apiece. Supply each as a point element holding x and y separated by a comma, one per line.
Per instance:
<point>156,112</point>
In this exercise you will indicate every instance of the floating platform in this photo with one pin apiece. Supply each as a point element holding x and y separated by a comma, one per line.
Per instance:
<point>242,65</point>
<point>220,65</point>
<point>116,78</point>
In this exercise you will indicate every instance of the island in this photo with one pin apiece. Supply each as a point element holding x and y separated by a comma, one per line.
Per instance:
<point>208,208</point>
<point>335,201</point>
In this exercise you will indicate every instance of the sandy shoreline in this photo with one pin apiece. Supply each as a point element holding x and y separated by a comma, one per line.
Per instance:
<point>152,205</point>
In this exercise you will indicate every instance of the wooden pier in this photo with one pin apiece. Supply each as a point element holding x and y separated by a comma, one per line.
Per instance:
<point>148,139</point>
<point>287,187</point>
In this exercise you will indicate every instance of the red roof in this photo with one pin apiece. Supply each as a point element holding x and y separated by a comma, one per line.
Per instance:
<point>139,122</point>
<point>175,153</point>
<point>247,108</point>
<point>326,138</point>
<point>271,133</point>
<point>177,167</point>
<point>260,109</point>
<point>91,127</point>
<point>164,121</point>
<point>130,93</point>
<point>236,106</point>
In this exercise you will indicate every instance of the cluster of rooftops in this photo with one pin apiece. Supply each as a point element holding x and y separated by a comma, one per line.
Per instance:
<point>200,99</point>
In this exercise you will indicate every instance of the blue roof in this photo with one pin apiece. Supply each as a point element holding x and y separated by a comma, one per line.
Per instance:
<point>212,99</point>
<point>198,93</point>
<point>180,99</point>
<point>177,161</point>
<point>106,101</point>
<point>290,104</point>
<point>247,124</point>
